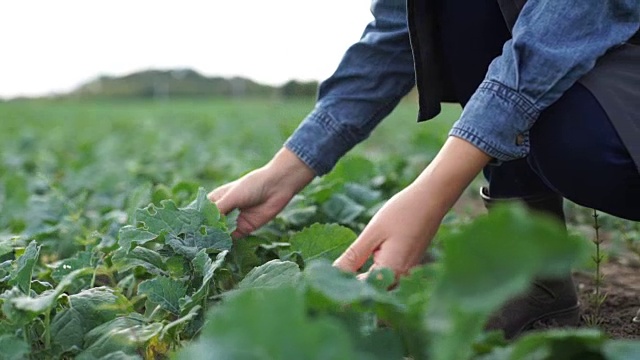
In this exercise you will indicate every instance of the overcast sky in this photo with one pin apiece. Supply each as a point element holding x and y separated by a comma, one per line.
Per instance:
<point>51,46</point>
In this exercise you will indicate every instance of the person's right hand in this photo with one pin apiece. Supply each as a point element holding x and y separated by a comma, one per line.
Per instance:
<point>263,193</point>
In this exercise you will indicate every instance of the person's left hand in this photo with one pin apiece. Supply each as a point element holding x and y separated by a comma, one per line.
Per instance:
<point>397,236</point>
<point>399,233</point>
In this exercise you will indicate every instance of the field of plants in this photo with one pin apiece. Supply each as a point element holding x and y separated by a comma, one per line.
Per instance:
<point>109,248</point>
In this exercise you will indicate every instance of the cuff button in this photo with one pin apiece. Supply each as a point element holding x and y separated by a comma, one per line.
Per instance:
<point>520,139</point>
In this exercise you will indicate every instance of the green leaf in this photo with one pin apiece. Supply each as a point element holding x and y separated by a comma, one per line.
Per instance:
<point>197,220</point>
<point>322,241</point>
<point>243,255</point>
<point>87,309</point>
<point>204,206</point>
<point>340,287</point>
<point>485,264</point>
<point>381,279</point>
<point>502,252</point>
<point>268,323</point>
<point>64,267</point>
<point>13,348</point>
<point>186,230</point>
<point>362,194</point>
<point>45,301</point>
<point>342,209</point>
<point>383,344</point>
<point>131,235</point>
<point>164,291</point>
<point>298,216</point>
<point>126,335</point>
<point>354,169</point>
<point>203,265</point>
<point>15,316</point>
<point>553,344</point>
<point>189,244</point>
<point>148,259</point>
<point>621,349</point>
<point>231,220</point>
<point>5,272</point>
<point>6,246</point>
<point>182,321</point>
<point>21,276</point>
<point>274,273</point>
<point>413,293</point>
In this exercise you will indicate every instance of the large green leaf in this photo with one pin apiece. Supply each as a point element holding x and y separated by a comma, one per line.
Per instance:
<point>268,323</point>
<point>362,194</point>
<point>131,235</point>
<point>413,293</point>
<point>186,230</point>
<point>86,310</point>
<point>342,209</point>
<point>621,349</point>
<point>339,287</point>
<point>576,344</point>
<point>355,169</point>
<point>488,262</point>
<point>6,246</point>
<point>15,316</point>
<point>204,266</point>
<point>274,273</point>
<point>243,255</point>
<point>326,241</point>
<point>13,348</point>
<point>176,220</point>
<point>123,336</point>
<point>189,244</point>
<point>165,292</point>
<point>45,301</point>
<point>66,266</point>
<point>148,259</point>
<point>21,276</point>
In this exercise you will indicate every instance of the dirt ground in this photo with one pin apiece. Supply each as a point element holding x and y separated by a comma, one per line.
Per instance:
<point>620,282</point>
<point>621,285</point>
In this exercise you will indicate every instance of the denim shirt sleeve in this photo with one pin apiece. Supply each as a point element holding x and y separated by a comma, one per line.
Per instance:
<point>373,76</point>
<point>554,43</point>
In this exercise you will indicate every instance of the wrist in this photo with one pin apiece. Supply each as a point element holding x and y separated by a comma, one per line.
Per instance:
<point>446,177</point>
<point>287,170</point>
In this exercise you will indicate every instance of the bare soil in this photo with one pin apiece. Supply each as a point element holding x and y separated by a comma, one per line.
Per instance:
<point>620,278</point>
<point>621,286</point>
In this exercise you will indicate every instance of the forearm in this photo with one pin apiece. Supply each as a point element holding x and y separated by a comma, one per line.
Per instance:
<point>372,77</point>
<point>441,184</point>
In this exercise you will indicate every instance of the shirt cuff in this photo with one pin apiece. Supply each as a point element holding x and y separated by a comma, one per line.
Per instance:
<point>497,120</point>
<point>319,142</point>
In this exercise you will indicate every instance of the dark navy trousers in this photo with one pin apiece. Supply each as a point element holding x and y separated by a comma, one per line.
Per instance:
<point>575,150</point>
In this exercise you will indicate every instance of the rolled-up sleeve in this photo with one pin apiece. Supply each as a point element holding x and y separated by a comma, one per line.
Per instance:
<point>554,44</point>
<point>373,76</point>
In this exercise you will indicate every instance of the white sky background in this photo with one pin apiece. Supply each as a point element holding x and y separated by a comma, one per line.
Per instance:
<point>53,46</point>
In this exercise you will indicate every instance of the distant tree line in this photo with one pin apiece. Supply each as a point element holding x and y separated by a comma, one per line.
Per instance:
<point>186,84</point>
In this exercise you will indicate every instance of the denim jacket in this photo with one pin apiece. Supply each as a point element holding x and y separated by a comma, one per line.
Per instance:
<point>554,44</point>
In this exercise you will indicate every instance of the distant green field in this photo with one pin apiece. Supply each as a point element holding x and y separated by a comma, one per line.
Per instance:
<point>205,140</point>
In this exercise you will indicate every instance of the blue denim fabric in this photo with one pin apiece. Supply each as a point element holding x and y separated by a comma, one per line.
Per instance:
<point>373,76</point>
<point>554,44</point>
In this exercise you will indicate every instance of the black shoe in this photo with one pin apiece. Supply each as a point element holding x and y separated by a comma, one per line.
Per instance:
<point>548,302</point>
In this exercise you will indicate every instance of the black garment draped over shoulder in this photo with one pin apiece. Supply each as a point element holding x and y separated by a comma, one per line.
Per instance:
<point>442,77</point>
